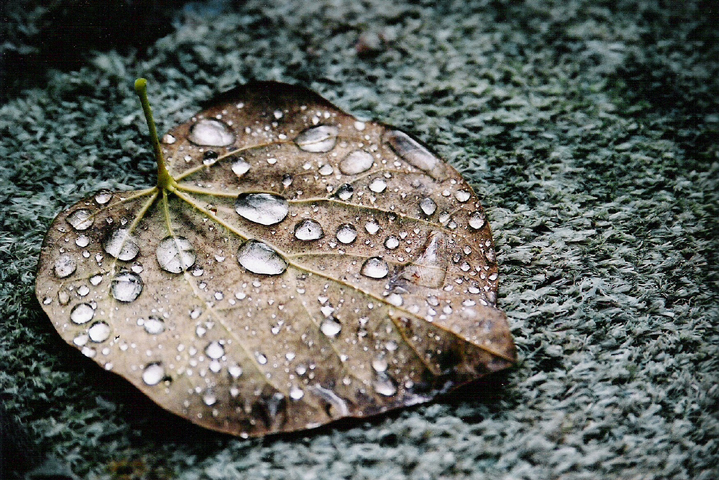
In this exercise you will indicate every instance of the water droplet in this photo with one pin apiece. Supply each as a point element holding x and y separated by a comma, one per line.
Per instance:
<point>384,385</point>
<point>154,325</point>
<point>235,371</point>
<point>308,230</point>
<point>391,242</point>
<point>356,162</point>
<point>83,290</point>
<point>126,286</point>
<point>153,374</point>
<point>121,245</point>
<point>372,227</point>
<point>296,393</point>
<point>375,267</point>
<point>326,169</point>
<point>209,398</point>
<point>214,350</point>
<point>63,297</point>
<point>379,364</point>
<point>277,114</point>
<point>240,166</point>
<point>476,220</point>
<point>429,269</point>
<point>65,266</point>
<point>262,208</point>
<point>82,241</point>
<point>415,154</point>
<point>168,139</point>
<point>378,185</point>
<point>462,196</point>
<point>359,126</point>
<point>330,327</point>
<point>258,258</point>
<point>286,180</point>
<point>318,139</point>
<point>428,206</point>
<point>210,132</point>
<point>395,299</point>
<point>346,233</point>
<point>345,191</point>
<point>261,358</point>
<point>103,197</point>
<point>81,219</point>
<point>175,254</point>
<point>99,332</point>
<point>82,313</point>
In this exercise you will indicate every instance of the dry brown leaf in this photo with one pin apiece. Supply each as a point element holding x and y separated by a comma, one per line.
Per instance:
<point>303,266</point>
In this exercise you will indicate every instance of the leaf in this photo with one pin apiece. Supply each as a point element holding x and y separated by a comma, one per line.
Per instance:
<point>293,266</point>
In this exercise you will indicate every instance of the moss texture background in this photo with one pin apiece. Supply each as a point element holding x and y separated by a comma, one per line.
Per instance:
<point>589,129</point>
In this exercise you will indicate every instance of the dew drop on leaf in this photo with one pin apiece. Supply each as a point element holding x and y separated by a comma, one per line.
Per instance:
<point>345,191</point>
<point>65,266</point>
<point>81,219</point>
<point>415,154</point>
<point>296,393</point>
<point>258,258</point>
<point>103,197</point>
<point>384,385</point>
<point>356,162</point>
<point>391,242</point>
<point>99,332</point>
<point>121,245</point>
<point>375,267</point>
<point>126,286</point>
<point>154,325</point>
<point>214,350</point>
<point>308,230</point>
<point>330,327</point>
<point>175,254</point>
<point>82,313</point>
<point>210,132</point>
<point>378,185</point>
<point>153,374</point>
<point>476,220</point>
<point>428,206</point>
<point>346,233</point>
<point>240,166</point>
<point>262,208</point>
<point>319,139</point>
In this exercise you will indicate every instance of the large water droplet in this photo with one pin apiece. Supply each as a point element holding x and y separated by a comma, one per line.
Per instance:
<point>379,364</point>
<point>210,132</point>
<point>240,166</point>
<point>415,154</point>
<point>372,227</point>
<point>346,233</point>
<point>81,219</point>
<point>391,242</point>
<point>258,258</point>
<point>428,206</point>
<point>82,313</point>
<point>153,374</point>
<point>345,192</point>
<point>375,267</point>
<point>103,197</point>
<point>356,162</point>
<point>308,230</point>
<point>65,266</point>
<point>126,286</point>
<point>214,350</point>
<point>175,254</point>
<point>476,220</point>
<point>330,327</point>
<point>154,325</point>
<point>318,139</point>
<point>262,208</point>
<point>99,332</point>
<point>378,185</point>
<point>121,245</point>
<point>462,196</point>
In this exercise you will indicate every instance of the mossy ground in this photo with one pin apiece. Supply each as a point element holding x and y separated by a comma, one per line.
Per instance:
<point>590,131</point>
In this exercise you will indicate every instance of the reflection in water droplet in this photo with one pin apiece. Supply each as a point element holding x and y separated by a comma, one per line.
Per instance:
<point>462,196</point>
<point>356,162</point>
<point>296,393</point>
<point>175,254</point>
<point>103,196</point>
<point>121,245</point>
<point>126,286</point>
<point>258,258</point>
<point>240,166</point>
<point>82,313</point>
<point>378,185</point>
<point>81,219</point>
<point>476,220</point>
<point>308,230</point>
<point>345,192</point>
<point>214,350</point>
<point>318,139</point>
<point>154,325</point>
<point>415,154</point>
<point>326,169</point>
<point>65,266</point>
<point>392,242</point>
<point>210,132</point>
<point>346,233</point>
<point>330,327</point>
<point>153,374</point>
<point>372,227</point>
<point>428,206</point>
<point>99,332</point>
<point>384,385</point>
<point>375,267</point>
<point>262,208</point>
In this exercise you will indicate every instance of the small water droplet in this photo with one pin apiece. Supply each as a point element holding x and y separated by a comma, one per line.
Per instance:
<point>372,227</point>
<point>375,267</point>
<point>81,219</point>
<point>99,332</point>
<point>240,166</point>
<point>168,139</point>
<point>391,242</point>
<point>345,191</point>
<point>415,154</point>
<point>121,245</point>
<point>308,230</point>
<point>126,286</point>
<point>301,369</point>
<point>356,162</point>
<point>318,139</point>
<point>378,185</point>
<point>154,325</point>
<point>476,220</point>
<point>63,297</point>
<point>83,290</point>
<point>46,301</point>
<point>210,132</point>
<point>384,385</point>
<point>277,114</point>
<point>82,313</point>
<point>175,254</point>
<point>209,398</point>
<point>153,374</point>
<point>395,299</point>
<point>326,169</point>
<point>379,364</point>
<point>65,266</point>
<point>286,180</point>
<point>261,358</point>
<point>462,196</point>
<point>428,206</point>
<point>81,340</point>
<point>258,258</point>
<point>82,241</point>
<point>296,393</point>
<point>209,157</point>
<point>359,126</point>
<point>214,350</point>
<point>346,233</point>
<point>103,197</point>
<point>235,371</point>
<point>330,327</point>
<point>262,208</point>
<point>89,352</point>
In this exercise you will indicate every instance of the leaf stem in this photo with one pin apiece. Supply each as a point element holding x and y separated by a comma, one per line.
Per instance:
<point>164,179</point>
